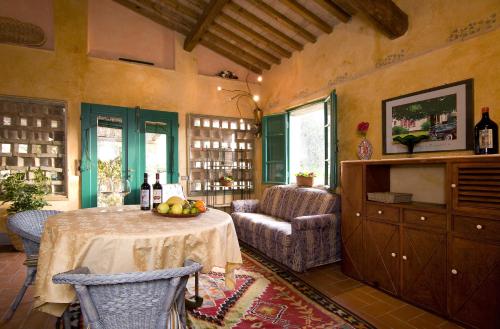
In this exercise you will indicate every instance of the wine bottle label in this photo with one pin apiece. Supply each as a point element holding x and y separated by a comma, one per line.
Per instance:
<point>486,138</point>
<point>156,196</point>
<point>144,198</point>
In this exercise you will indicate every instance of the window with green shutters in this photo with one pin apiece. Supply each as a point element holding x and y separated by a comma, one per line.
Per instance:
<point>275,149</point>
<point>277,133</point>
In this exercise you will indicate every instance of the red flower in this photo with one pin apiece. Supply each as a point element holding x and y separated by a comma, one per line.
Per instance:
<point>363,127</point>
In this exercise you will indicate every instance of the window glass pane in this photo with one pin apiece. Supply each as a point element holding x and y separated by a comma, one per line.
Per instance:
<point>156,151</point>
<point>109,160</point>
<point>276,172</point>
<point>307,141</point>
<point>275,148</point>
<point>275,125</point>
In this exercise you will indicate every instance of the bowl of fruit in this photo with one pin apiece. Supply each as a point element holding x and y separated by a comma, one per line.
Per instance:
<point>180,208</point>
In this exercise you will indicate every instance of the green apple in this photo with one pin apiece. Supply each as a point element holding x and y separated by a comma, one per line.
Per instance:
<point>163,208</point>
<point>194,210</point>
<point>185,211</point>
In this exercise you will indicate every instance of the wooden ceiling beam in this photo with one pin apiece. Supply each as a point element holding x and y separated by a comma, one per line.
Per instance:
<point>255,35</point>
<point>222,31</point>
<point>254,20</point>
<point>236,51</point>
<point>212,10</point>
<point>145,8</point>
<point>309,15</point>
<point>283,20</point>
<point>179,8</point>
<point>386,15</point>
<point>334,10</point>
<point>228,54</point>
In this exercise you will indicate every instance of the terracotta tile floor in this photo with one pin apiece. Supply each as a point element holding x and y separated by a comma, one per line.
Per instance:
<point>381,310</point>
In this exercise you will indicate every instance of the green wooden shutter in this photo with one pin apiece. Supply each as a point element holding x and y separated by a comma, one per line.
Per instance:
<point>331,147</point>
<point>275,149</point>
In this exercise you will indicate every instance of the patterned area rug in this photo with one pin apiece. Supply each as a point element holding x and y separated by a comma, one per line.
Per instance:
<point>266,296</point>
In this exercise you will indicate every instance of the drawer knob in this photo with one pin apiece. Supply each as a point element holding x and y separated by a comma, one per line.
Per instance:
<point>358,214</point>
<point>453,185</point>
<point>405,258</point>
<point>423,218</point>
<point>393,254</point>
<point>454,272</point>
<point>380,212</point>
<point>479,226</point>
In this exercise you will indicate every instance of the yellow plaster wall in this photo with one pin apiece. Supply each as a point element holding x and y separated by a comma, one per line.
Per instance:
<point>447,41</point>
<point>69,74</point>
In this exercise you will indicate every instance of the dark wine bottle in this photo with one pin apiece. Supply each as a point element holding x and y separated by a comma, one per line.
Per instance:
<point>157,192</point>
<point>486,135</point>
<point>145,194</point>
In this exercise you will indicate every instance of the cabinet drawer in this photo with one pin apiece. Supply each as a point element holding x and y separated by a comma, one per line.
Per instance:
<point>424,219</point>
<point>478,228</point>
<point>383,212</point>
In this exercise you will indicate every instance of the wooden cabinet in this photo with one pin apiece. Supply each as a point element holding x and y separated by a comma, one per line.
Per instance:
<point>442,257</point>
<point>381,255</point>
<point>351,230</point>
<point>474,283</point>
<point>424,268</point>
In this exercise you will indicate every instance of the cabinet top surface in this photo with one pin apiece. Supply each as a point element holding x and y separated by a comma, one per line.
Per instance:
<point>438,159</point>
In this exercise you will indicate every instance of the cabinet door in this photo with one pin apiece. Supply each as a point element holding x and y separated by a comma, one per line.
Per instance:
<point>474,283</point>
<point>352,214</point>
<point>476,187</point>
<point>424,268</point>
<point>381,250</point>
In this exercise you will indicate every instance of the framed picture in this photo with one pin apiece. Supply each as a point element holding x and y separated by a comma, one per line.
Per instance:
<point>443,116</point>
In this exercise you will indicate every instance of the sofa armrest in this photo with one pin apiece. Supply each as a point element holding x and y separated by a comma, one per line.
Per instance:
<point>313,222</point>
<point>245,206</point>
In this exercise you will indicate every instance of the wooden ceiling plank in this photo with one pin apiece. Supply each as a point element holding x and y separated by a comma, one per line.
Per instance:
<point>386,15</point>
<point>307,14</point>
<point>213,9</point>
<point>231,56</point>
<point>140,8</point>
<point>334,10</point>
<point>221,30</point>
<point>251,33</point>
<point>265,26</point>
<point>179,8</point>
<point>247,57</point>
<point>283,20</point>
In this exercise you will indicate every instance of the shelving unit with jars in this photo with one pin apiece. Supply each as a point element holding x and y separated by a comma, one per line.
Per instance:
<point>220,147</point>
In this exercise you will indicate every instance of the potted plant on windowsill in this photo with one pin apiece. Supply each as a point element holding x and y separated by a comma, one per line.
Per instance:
<point>23,191</point>
<point>226,181</point>
<point>305,179</point>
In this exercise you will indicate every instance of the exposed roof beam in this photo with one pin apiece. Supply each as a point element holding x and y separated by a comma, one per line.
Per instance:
<point>307,14</point>
<point>283,20</point>
<point>212,10</point>
<point>334,10</point>
<point>231,56</point>
<point>145,8</point>
<point>221,30</point>
<point>254,20</point>
<point>252,34</point>
<point>236,51</point>
<point>386,15</point>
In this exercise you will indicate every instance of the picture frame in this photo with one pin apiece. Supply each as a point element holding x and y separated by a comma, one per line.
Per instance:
<point>442,115</point>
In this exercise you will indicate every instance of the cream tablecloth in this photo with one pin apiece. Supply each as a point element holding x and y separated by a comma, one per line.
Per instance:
<point>126,239</point>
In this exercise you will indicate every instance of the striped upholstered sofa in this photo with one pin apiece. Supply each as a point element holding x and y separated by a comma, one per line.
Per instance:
<point>298,227</point>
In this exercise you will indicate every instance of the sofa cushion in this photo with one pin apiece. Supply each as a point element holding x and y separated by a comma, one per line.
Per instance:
<point>258,229</point>
<point>289,201</point>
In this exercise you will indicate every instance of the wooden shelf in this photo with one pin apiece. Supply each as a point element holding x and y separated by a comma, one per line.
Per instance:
<point>413,205</point>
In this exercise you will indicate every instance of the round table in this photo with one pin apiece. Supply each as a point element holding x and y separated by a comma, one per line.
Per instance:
<point>126,239</point>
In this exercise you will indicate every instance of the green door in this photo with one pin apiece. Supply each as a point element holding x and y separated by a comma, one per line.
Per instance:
<point>119,145</point>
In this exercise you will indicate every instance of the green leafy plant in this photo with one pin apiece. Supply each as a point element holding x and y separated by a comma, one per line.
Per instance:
<point>23,193</point>
<point>305,174</point>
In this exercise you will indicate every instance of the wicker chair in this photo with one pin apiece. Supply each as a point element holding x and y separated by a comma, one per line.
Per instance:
<point>131,300</point>
<point>29,226</point>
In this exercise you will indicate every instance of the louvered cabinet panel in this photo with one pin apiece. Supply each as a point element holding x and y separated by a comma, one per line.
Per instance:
<point>476,187</point>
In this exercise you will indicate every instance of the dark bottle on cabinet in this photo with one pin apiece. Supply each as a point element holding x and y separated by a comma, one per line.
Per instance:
<point>145,194</point>
<point>486,135</point>
<point>157,192</point>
